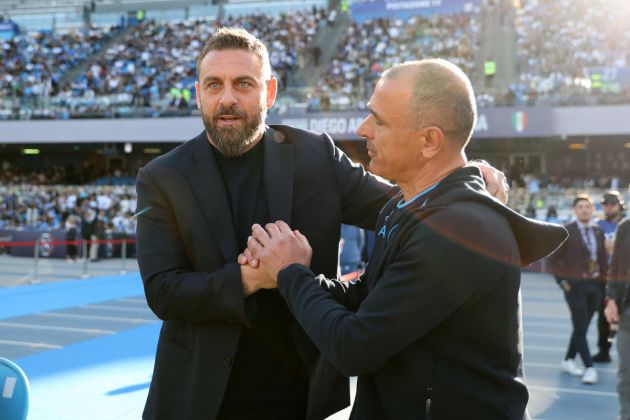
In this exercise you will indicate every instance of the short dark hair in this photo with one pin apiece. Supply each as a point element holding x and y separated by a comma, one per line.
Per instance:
<point>582,197</point>
<point>442,95</point>
<point>236,39</point>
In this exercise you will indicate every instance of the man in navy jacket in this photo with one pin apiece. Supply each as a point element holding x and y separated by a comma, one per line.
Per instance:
<point>433,328</point>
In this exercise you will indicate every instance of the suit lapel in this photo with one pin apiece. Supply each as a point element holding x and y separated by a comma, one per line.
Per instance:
<point>207,184</point>
<point>278,176</point>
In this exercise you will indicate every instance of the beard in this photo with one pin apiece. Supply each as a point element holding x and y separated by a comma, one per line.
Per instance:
<point>233,141</point>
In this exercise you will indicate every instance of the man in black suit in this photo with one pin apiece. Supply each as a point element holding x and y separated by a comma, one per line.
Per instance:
<point>229,348</point>
<point>618,312</point>
<point>580,267</point>
<point>433,327</point>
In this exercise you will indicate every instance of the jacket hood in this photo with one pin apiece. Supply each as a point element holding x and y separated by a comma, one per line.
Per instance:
<point>536,239</point>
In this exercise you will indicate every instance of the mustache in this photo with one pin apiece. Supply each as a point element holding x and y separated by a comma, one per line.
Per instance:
<point>232,110</point>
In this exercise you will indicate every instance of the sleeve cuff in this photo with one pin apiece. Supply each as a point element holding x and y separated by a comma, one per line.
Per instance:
<point>291,272</point>
<point>248,305</point>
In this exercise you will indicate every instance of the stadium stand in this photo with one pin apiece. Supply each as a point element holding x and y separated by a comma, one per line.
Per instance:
<point>553,75</point>
<point>371,47</point>
<point>149,68</point>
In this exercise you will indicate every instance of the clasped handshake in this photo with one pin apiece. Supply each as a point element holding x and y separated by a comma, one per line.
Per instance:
<point>269,250</point>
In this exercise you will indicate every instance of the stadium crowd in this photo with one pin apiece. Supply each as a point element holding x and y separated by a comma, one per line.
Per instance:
<point>69,208</point>
<point>32,65</point>
<point>43,200</point>
<point>557,75</point>
<point>371,47</point>
<point>153,65</point>
<point>150,68</point>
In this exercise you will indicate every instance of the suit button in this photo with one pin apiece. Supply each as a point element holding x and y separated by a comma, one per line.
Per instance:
<point>227,361</point>
<point>234,321</point>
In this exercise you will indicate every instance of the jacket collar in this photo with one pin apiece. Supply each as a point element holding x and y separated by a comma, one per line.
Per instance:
<point>207,184</point>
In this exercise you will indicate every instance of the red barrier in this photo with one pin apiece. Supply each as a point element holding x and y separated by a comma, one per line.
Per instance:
<point>75,242</point>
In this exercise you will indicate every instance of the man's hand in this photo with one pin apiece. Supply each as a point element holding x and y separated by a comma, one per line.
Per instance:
<point>496,182</point>
<point>246,258</point>
<point>277,247</point>
<point>254,279</point>
<point>611,312</point>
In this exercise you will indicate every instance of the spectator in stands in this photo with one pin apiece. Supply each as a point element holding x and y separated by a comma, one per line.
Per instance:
<point>552,215</point>
<point>72,234</point>
<point>436,319</point>
<point>614,205</point>
<point>580,266</point>
<point>618,312</point>
<point>88,230</point>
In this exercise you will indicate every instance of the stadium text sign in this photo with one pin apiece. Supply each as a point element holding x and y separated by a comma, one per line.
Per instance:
<point>335,126</point>
<point>365,10</point>
<point>491,122</point>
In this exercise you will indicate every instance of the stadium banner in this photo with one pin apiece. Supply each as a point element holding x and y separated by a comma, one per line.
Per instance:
<point>403,9</point>
<point>515,122</point>
<point>491,122</point>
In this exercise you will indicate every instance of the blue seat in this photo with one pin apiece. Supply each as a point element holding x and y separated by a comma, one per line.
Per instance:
<point>14,391</point>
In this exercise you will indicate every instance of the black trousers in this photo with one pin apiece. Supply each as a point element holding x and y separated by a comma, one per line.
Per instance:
<point>603,328</point>
<point>583,300</point>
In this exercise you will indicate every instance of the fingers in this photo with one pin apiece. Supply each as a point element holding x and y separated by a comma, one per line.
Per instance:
<point>260,234</point>
<point>301,237</point>
<point>254,246</point>
<point>242,259</point>
<point>283,227</point>
<point>253,261</point>
<point>272,229</point>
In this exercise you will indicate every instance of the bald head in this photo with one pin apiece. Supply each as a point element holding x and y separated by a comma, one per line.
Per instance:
<point>441,95</point>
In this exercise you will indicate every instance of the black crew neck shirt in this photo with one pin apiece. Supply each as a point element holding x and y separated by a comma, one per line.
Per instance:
<point>268,378</point>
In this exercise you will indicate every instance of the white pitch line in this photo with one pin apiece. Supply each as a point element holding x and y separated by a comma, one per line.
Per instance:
<point>558,368</point>
<point>573,391</point>
<point>546,348</point>
<point>101,318</point>
<point>547,324</point>
<point>56,328</point>
<point>130,300</point>
<point>30,344</point>
<point>546,335</point>
<point>116,308</point>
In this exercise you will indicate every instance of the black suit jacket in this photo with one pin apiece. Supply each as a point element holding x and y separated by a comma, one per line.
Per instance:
<point>187,255</point>
<point>619,275</point>
<point>570,261</point>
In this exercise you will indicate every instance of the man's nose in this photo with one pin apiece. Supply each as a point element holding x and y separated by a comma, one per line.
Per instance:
<point>228,97</point>
<point>362,129</point>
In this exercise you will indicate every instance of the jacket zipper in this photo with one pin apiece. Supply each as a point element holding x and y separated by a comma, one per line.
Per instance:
<point>427,404</point>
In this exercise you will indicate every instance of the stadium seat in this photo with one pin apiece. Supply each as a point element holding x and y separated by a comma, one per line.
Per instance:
<point>14,391</point>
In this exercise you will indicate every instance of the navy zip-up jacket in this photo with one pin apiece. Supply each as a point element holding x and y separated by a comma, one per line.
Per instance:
<point>432,330</point>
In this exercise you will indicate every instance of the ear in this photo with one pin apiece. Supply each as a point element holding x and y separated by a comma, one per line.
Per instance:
<point>433,141</point>
<point>272,90</point>
<point>197,95</point>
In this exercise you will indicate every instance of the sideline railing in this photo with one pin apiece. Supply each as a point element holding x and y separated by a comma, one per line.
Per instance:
<point>44,245</point>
